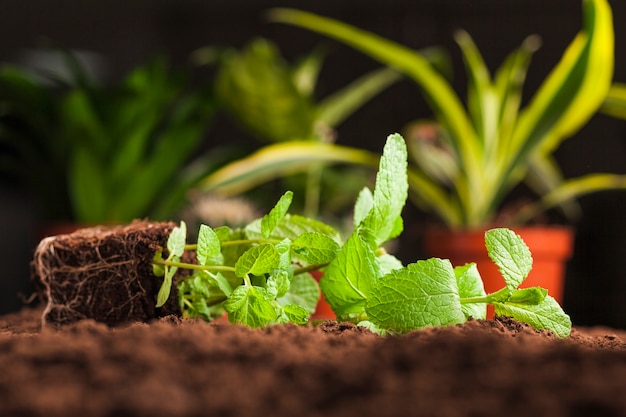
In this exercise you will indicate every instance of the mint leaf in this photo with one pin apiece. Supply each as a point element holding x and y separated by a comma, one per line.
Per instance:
<point>292,313</point>
<point>315,248</point>
<point>547,315</point>
<point>510,253</point>
<point>390,192</point>
<point>422,294</point>
<point>278,283</point>
<point>164,291</point>
<point>363,205</point>
<point>258,260</point>
<point>470,285</point>
<point>271,220</point>
<point>251,306</point>
<point>176,240</point>
<point>303,291</point>
<point>351,275</point>
<point>284,253</point>
<point>530,296</point>
<point>176,248</point>
<point>388,263</point>
<point>158,270</point>
<point>209,250</point>
<point>291,226</point>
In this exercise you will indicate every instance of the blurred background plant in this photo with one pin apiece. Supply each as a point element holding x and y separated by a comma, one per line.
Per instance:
<point>275,101</point>
<point>473,157</point>
<point>95,153</point>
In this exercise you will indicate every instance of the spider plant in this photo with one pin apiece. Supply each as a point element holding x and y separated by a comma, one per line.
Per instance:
<point>494,142</point>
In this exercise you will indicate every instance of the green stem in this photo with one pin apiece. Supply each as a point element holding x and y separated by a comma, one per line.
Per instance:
<point>489,298</point>
<point>195,266</point>
<point>309,268</point>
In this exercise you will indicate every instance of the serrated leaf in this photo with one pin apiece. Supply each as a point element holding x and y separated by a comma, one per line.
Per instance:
<point>271,220</point>
<point>390,192</point>
<point>292,226</point>
<point>510,253</point>
<point>251,306</point>
<point>278,283</point>
<point>176,240</point>
<point>304,291</point>
<point>470,285</point>
<point>388,263</point>
<point>209,250</point>
<point>315,248</point>
<point>284,253</point>
<point>547,315</point>
<point>257,260</point>
<point>423,294</point>
<point>293,313</point>
<point>349,278</point>
<point>363,205</point>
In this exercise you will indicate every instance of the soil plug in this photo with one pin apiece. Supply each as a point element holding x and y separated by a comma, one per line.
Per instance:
<point>102,273</point>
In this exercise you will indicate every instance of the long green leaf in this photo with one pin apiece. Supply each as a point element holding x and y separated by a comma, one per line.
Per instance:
<point>574,89</point>
<point>279,160</point>
<point>615,102</point>
<point>441,96</point>
<point>570,189</point>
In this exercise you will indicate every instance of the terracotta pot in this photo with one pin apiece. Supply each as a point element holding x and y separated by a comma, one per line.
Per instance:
<point>323,310</point>
<point>551,247</point>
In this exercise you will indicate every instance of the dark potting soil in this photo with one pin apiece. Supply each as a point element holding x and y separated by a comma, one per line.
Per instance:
<point>175,367</point>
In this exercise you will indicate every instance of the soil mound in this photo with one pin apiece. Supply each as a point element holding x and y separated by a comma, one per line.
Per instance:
<point>175,367</point>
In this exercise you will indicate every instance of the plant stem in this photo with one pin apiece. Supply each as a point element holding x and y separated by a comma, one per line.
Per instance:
<point>499,295</point>
<point>195,266</point>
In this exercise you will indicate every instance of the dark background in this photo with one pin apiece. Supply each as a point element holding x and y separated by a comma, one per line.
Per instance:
<point>126,33</point>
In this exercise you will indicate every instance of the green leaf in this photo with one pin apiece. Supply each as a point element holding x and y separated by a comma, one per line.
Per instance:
<point>209,250</point>
<point>390,192</point>
<point>158,270</point>
<point>303,291</point>
<point>284,253</point>
<point>176,241</point>
<point>315,248</point>
<point>388,263</point>
<point>470,285</point>
<point>271,220</point>
<point>278,283</point>
<point>291,227</point>
<point>257,260</point>
<point>363,206</point>
<point>166,286</point>
<point>528,296</point>
<point>251,306</point>
<point>293,313</point>
<point>547,315</point>
<point>509,252</point>
<point>349,278</point>
<point>423,294</point>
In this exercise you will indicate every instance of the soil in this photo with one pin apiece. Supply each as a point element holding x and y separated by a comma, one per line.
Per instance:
<point>176,367</point>
<point>88,351</point>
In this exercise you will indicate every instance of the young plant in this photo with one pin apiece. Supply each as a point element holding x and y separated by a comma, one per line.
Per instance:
<point>259,274</point>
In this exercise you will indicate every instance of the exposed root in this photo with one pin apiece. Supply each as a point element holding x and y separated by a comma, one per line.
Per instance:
<point>102,273</point>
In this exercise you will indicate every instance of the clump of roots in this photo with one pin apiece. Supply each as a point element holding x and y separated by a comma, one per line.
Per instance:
<point>102,273</point>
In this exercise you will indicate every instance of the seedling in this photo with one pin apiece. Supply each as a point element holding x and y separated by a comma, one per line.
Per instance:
<point>259,274</point>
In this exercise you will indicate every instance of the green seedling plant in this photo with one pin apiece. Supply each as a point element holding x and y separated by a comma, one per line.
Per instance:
<point>259,274</point>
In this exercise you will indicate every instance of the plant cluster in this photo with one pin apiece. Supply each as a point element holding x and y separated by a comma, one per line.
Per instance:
<point>259,274</point>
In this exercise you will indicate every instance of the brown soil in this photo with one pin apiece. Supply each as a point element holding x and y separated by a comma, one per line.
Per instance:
<point>172,367</point>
